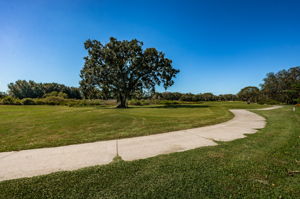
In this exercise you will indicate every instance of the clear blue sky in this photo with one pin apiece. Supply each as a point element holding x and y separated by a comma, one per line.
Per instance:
<point>219,45</point>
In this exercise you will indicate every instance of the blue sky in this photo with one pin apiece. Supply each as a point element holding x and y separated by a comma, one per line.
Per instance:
<point>220,46</point>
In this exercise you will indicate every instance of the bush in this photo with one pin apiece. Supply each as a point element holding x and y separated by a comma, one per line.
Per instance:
<point>39,101</point>
<point>54,100</point>
<point>161,102</point>
<point>146,102</point>
<point>169,102</point>
<point>91,102</point>
<point>135,102</point>
<point>28,101</point>
<point>268,101</point>
<point>8,100</point>
<point>56,94</point>
<point>141,102</point>
<point>88,102</point>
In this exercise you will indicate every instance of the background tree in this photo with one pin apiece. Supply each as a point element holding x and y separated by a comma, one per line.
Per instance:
<point>282,86</point>
<point>56,94</point>
<point>90,92</point>
<point>123,68</point>
<point>2,94</point>
<point>30,89</point>
<point>249,94</point>
<point>25,89</point>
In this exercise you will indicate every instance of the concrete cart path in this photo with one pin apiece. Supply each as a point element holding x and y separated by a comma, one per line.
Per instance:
<point>269,108</point>
<point>33,162</point>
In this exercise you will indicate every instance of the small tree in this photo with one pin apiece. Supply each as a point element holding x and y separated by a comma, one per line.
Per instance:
<point>123,68</point>
<point>249,94</point>
<point>2,94</point>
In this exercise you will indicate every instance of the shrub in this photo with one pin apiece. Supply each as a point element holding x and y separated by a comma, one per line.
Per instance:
<point>72,102</point>
<point>39,101</point>
<point>88,102</point>
<point>92,102</point>
<point>169,103</point>
<point>96,102</point>
<point>8,100</point>
<point>54,100</point>
<point>146,102</point>
<point>135,102</point>
<point>268,101</point>
<point>56,94</point>
<point>28,101</point>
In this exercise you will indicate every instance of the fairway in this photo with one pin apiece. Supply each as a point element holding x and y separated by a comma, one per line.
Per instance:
<point>26,127</point>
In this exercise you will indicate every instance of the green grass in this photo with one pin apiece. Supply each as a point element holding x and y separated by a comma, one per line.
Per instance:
<point>26,127</point>
<point>254,167</point>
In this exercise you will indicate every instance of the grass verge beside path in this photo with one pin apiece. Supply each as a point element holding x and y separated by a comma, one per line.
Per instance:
<point>259,166</point>
<point>27,127</point>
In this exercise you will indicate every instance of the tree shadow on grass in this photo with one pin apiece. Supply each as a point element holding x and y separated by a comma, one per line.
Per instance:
<point>169,106</point>
<point>173,106</point>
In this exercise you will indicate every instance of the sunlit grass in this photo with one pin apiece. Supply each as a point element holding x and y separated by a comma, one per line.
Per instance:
<point>259,166</point>
<point>25,127</point>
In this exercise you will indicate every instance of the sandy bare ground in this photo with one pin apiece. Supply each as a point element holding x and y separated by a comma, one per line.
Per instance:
<point>28,163</point>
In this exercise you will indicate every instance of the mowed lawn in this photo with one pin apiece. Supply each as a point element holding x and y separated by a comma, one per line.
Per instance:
<point>263,165</point>
<point>26,127</point>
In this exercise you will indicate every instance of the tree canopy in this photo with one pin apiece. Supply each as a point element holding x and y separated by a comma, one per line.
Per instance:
<point>283,86</point>
<point>249,94</point>
<point>122,68</point>
<point>30,89</point>
<point>2,94</point>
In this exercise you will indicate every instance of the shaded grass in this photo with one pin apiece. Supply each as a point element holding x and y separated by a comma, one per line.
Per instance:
<point>26,127</point>
<point>253,167</point>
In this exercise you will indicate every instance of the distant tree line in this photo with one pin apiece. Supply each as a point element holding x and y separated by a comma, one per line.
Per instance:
<point>283,86</point>
<point>30,89</point>
<point>280,87</point>
<point>194,97</point>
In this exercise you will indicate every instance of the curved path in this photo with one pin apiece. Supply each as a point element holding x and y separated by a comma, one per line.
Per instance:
<point>33,162</point>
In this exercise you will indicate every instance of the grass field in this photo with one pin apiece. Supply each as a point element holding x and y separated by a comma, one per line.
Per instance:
<point>26,127</point>
<point>263,165</point>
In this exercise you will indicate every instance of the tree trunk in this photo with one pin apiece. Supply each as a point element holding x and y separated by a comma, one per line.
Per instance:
<point>122,101</point>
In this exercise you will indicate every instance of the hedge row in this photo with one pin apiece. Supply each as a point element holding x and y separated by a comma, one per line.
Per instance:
<point>53,100</point>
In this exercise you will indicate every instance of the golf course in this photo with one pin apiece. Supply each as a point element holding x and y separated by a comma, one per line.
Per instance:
<point>27,127</point>
<point>265,164</point>
<point>173,99</point>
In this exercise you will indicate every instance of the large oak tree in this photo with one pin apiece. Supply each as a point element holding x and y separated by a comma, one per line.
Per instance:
<point>122,68</point>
